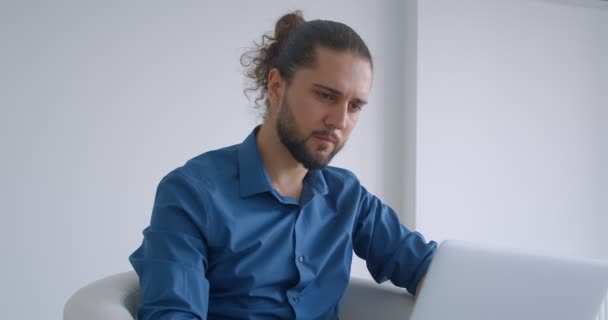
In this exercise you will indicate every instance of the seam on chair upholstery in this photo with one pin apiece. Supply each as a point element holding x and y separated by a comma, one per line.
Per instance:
<point>126,295</point>
<point>123,299</point>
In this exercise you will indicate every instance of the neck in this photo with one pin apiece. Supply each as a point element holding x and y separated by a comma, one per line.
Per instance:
<point>286,174</point>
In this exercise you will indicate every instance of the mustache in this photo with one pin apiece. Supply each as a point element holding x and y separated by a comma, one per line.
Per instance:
<point>327,134</point>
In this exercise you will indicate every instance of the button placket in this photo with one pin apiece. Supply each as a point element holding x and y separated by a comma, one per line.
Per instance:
<point>299,258</point>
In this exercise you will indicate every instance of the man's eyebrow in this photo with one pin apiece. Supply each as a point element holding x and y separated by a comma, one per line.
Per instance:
<point>338,92</point>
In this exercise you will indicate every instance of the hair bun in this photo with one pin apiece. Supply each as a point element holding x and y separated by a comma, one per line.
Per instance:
<point>286,24</point>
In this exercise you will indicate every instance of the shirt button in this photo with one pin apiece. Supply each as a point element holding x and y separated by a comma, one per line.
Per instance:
<point>301,259</point>
<point>295,299</point>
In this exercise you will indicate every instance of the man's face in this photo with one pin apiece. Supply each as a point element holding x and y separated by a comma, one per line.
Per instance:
<point>321,106</point>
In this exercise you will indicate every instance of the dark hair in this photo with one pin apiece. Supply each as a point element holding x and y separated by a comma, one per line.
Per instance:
<point>293,46</point>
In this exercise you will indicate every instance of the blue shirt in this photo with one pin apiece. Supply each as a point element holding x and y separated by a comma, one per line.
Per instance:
<point>223,244</point>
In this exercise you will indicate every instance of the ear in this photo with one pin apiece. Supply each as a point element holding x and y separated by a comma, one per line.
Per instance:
<point>275,87</point>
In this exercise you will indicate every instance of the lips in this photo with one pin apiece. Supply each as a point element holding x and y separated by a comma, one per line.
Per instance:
<point>326,139</point>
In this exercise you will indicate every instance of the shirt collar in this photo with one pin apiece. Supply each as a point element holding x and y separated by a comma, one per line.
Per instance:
<point>253,176</point>
<point>316,179</point>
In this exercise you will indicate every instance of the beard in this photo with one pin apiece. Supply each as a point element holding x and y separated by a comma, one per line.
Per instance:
<point>287,130</point>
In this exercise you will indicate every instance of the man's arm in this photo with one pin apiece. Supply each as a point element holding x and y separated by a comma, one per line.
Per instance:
<point>391,251</point>
<point>171,262</point>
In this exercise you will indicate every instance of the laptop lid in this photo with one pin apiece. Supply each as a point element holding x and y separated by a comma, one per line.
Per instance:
<point>472,282</point>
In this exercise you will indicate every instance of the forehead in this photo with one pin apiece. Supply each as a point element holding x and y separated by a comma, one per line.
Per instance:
<point>343,71</point>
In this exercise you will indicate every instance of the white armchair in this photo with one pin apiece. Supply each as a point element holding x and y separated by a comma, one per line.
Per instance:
<point>116,298</point>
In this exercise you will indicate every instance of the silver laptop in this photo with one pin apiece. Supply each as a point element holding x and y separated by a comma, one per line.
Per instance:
<point>467,281</point>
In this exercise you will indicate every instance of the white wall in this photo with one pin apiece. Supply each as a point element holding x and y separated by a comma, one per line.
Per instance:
<point>100,99</point>
<point>511,123</point>
<point>603,136</point>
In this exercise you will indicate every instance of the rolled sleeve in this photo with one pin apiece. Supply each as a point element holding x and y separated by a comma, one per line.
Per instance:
<point>172,259</point>
<point>390,250</point>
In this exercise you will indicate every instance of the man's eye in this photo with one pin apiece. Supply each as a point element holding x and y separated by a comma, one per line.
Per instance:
<point>325,96</point>
<point>355,107</point>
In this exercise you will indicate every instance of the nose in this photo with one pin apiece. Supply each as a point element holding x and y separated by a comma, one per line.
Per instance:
<point>338,116</point>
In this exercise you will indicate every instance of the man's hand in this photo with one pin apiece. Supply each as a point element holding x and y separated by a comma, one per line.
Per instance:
<point>419,287</point>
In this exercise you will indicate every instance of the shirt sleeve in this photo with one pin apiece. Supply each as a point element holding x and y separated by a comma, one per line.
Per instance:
<point>390,250</point>
<point>172,260</point>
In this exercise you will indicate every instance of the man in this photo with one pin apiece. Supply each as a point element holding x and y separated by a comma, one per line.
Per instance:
<point>266,229</point>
